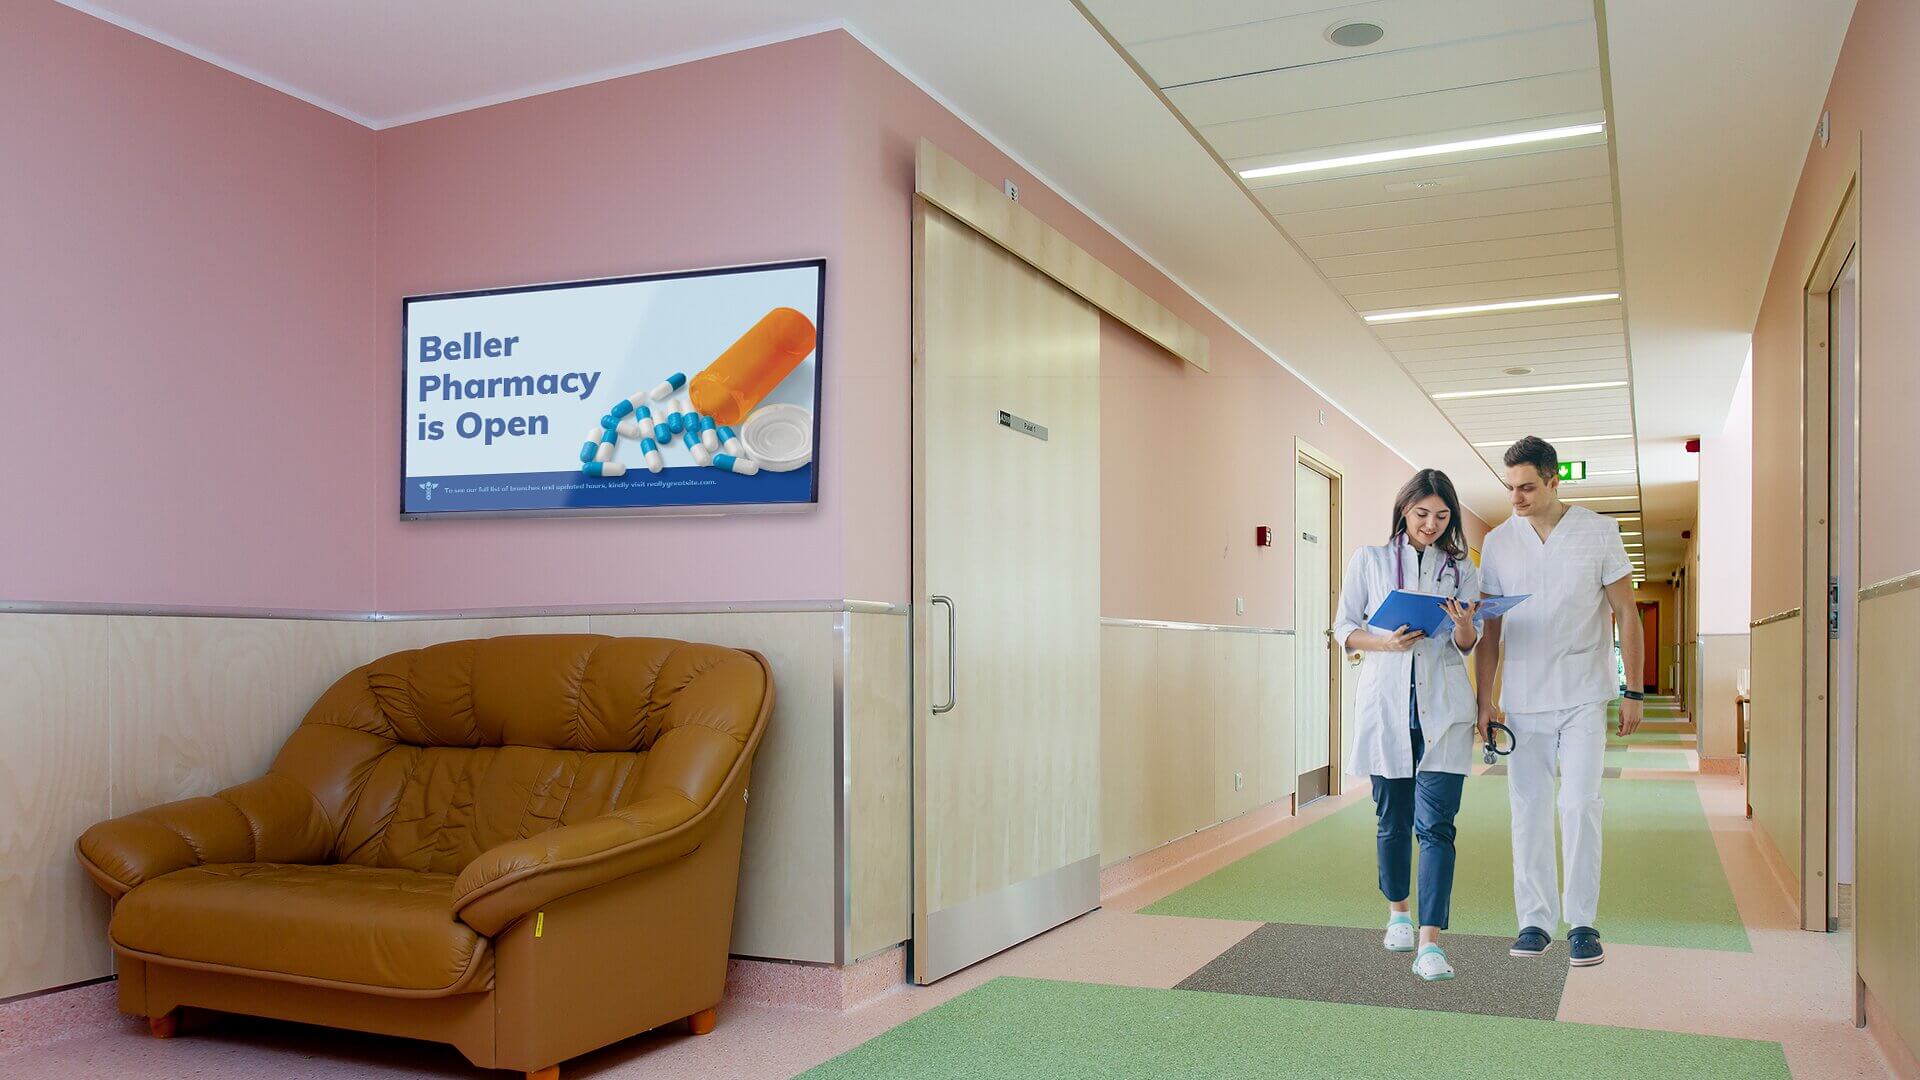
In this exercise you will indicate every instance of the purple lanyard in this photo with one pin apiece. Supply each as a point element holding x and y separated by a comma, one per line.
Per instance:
<point>1400,567</point>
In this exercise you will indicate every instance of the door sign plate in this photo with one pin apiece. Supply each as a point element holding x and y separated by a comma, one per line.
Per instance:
<point>1024,427</point>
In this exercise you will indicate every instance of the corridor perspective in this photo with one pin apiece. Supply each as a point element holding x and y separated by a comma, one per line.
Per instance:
<point>1027,539</point>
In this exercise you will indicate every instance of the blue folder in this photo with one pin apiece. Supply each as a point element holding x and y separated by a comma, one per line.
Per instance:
<point>1427,612</point>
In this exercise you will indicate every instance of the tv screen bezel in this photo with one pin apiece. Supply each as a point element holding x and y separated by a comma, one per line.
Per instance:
<point>819,265</point>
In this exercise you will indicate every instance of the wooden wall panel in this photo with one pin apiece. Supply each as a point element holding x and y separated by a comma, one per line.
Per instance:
<point>1722,658</point>
<point>392,637</point>
<point>878,711</point>
<point>786,908</point>
<point>1887,851</point>
<point>202,704</point>
<point>1181,711</point>
<point>1775,755</point>
<point>54,773</point>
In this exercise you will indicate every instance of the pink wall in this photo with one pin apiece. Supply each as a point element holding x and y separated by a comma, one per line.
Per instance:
<point>1177,522</point>
<point>730,160</point>
<point>262,228</point>
<point>1870,100</point>
<point>186,290</point>
<point>1725,526</point>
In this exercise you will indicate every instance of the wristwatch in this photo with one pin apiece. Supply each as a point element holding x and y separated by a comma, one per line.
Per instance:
<point>1633,695</point>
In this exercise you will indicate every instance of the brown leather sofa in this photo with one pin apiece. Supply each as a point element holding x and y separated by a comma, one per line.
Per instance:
<point>527,847</point>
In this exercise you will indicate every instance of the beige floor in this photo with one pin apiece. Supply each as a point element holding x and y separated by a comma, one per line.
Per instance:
<point>1794,987</point>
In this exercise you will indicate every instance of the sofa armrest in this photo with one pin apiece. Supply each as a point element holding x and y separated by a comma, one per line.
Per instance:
<point>271,819</point>
<point>516,878</point>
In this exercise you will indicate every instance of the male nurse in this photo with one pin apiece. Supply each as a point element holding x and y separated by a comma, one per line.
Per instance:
<point>1558,682</point>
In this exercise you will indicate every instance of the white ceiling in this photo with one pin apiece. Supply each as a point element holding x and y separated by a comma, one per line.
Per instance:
<point>1711,107</point>
<point>1262,83</point>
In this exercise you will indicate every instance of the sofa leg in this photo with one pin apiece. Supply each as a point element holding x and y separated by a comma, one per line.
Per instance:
<point>164,1027</point>
<point>551,1072</point>
<point>702,1022</point>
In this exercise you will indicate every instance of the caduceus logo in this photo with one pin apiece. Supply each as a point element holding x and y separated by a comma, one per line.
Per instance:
<point>428,487</point>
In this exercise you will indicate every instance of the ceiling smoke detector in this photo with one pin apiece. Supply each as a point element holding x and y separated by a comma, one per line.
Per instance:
<point>1355,35</point>
<point>1519,371</point>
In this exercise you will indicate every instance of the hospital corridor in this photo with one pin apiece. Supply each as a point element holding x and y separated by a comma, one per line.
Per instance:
<point>990,540</point>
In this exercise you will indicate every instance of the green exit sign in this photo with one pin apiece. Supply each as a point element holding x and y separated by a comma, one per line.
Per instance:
<point>1573,470</point>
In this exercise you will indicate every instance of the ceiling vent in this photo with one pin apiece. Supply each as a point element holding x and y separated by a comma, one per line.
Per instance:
<point>1355,35</point>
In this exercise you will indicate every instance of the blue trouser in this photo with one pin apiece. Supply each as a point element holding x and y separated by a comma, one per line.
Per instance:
<point>1421,805</point>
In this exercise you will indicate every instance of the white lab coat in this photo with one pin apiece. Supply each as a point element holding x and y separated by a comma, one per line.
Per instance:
<point>1381,746</point>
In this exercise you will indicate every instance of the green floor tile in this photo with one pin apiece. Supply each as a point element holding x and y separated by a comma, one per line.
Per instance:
<point>1027,1029</point>
<point>1666,887</point>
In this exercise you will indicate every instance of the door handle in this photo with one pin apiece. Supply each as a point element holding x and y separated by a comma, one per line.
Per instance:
<point>953,655</point>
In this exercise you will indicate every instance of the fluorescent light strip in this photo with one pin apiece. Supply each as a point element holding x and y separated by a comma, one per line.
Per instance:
<point>1602,498</point>
<point>1455,395</point>
<point>1492,142</point>
<point>1503,443</point>
<point>1630,534</point>
<point>1475,309</point>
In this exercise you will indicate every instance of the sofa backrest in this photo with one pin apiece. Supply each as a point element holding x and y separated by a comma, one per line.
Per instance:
<point>423,759</point>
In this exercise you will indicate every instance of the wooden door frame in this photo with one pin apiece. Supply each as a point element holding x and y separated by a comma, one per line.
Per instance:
<point>1306,454</point>
<point>1817,728</point>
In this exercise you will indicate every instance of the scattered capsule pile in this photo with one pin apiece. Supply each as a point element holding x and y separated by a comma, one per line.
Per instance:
<point>633,418</point>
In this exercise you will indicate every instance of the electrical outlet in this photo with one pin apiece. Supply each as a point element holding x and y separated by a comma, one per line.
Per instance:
<point>1239,781</point>
<point>1012,189</point>
<point>1323,417</point>
<point>1239,605</point>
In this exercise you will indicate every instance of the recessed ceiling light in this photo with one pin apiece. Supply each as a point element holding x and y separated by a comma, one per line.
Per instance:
<point>1519,371</point>
<point>1518,390</point>
<point>1473,309</point>
<point>1518,138</point>
<point>1504,443</point>
<point>1355,35</point>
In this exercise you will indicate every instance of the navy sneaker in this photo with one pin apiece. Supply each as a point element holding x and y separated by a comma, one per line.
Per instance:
<point>1583,947</point>
<point>1532,941</point>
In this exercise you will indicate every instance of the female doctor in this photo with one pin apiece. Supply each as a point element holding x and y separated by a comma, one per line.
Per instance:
<point>1415,728</point>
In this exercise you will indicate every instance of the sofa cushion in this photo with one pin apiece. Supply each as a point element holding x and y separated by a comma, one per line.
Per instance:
<point>367,928</point>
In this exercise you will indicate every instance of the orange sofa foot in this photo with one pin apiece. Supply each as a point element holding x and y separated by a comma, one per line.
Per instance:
<point>551,1072</point>
<point>164,1027</point>
<point>702,1022</point>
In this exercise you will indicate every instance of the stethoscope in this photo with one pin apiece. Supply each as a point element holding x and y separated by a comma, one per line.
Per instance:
<point>1491,749</point>
<point>1400,565</point>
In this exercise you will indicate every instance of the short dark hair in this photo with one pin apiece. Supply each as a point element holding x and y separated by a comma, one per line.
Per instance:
<point>1427,482</point>
<point>1537,452</point>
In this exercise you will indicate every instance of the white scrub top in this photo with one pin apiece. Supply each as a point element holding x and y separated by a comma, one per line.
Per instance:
<point>1558,645</point>
<point>1381,743</point>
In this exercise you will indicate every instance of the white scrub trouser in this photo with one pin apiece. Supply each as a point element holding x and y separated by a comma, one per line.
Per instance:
<point>1576,740</point>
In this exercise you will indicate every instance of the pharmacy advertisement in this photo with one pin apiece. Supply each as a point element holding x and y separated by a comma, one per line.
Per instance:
<point>690,392</point>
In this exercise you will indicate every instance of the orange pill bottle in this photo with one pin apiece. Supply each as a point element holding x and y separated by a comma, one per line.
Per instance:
<point>735,382</point>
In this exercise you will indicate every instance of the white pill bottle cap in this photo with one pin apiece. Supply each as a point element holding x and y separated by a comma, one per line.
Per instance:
<point>779,437</point>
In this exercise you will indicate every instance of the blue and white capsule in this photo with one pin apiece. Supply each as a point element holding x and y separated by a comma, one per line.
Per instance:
<point>700,455</point>
<point>639,425</point>
<point>676,422</point>
<point>590,447</point>
<point>674,382</point>
<point>741,465</point>
<point>605,453</point>
<point>651,450</point>
<point>730,442</point>
<point>609,422</point>
<point>604,468</point>
<point>709,437</point>
<point>621,408</point>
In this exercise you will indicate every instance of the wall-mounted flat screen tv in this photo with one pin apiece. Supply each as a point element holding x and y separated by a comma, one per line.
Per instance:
<point>694,392</point>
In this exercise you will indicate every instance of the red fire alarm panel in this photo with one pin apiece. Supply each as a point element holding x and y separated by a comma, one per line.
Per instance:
<point>1263,535</point>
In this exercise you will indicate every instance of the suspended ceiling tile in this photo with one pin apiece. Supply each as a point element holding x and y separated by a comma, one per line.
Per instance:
<point>1529,322</point>
<point>1589,346</point>
<point>1487,292</point>
<point>1493,227</point>
<point>1553,195</point>
<point>1544,164</point>
<point>1461,108</point>
<point>1388,74</point>
<point>1468,253</point>
<point>1548,332</point>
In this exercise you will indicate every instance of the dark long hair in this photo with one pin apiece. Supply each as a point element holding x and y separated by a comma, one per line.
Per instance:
<point>1424,483</point>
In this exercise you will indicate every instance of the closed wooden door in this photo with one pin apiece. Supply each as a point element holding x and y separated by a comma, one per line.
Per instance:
<point>1313,621</point>
<point>1007,599</point>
